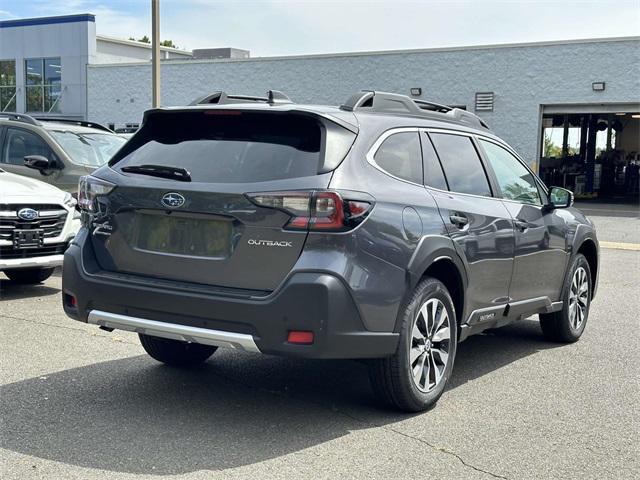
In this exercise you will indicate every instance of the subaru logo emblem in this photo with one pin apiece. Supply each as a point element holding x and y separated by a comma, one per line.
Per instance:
<point>172,200</point>
<point>27,214</point>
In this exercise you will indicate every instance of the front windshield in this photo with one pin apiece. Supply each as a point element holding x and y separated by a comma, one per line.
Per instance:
<point>89,149</point>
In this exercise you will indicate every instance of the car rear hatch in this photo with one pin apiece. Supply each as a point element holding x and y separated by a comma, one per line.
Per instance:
<point>209,229</point>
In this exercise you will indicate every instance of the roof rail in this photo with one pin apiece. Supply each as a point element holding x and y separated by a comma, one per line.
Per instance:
<point>274,97</point>
<point>467,117</point>
<point>82,123</point>
<point>20,117</point>
<point>383,102</point>
<point>432,106</point>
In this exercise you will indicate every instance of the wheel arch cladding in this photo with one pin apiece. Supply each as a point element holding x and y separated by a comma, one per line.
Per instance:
<point>445,270</point>
<point>436,257</point>
<point>590,251</point>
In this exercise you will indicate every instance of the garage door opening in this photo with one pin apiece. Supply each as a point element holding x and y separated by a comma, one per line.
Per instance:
<point>594,154</point>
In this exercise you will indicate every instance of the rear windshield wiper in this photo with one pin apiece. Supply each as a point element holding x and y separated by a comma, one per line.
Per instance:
<point>162,171</point>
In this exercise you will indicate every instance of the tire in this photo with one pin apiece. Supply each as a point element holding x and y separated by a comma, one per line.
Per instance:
<point>174,352</point>
<point>29,276</point>
<point>568,324</point>
<point>393,378</point>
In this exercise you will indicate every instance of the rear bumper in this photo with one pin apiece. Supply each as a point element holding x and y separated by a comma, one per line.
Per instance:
<point>309,301</point>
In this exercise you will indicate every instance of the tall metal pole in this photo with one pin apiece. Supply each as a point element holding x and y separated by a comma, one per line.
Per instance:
<point>155,52</point>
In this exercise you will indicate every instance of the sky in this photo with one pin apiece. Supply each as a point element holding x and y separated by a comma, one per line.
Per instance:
<point>279,27</point>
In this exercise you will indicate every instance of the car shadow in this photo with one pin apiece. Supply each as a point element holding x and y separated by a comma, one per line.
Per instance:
<point>136,416</point>
<point>14,291</point>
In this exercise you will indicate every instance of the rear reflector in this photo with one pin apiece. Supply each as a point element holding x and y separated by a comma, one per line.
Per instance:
<point>300,337</point>
<point>70,301</point>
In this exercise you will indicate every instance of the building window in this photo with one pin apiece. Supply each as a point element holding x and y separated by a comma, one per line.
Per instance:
<point>7,85</point>
<point>43,80</point>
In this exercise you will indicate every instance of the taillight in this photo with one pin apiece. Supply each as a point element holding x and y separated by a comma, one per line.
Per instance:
<point>89,189</point>
<point>316,210</point>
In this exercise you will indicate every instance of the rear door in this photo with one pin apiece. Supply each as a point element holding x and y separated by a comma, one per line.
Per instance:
<point>479,224</point>
<point>214,229</point>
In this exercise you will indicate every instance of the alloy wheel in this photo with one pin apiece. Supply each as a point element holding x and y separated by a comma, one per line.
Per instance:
<point>578,298</point>
<point>430,345</point>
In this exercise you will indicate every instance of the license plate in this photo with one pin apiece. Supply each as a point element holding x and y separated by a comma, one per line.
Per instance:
<point>28,238</point>
<point>196,236</point>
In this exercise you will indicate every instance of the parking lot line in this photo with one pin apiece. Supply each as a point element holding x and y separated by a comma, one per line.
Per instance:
<point>621,245</point>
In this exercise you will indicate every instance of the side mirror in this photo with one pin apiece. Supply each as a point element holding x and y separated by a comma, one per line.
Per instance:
<point>560,198</point>
<point>40,163</point>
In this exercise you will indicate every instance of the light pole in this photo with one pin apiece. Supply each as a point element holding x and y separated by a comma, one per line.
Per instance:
<point>155,53</point>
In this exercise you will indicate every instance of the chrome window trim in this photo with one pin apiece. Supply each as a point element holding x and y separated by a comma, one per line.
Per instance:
<point>472,135</point>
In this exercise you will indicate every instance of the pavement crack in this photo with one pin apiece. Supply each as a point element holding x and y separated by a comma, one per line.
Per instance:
<point>361,421</point>
<point>444,450</point>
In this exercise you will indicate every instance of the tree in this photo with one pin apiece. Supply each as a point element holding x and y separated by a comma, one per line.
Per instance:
<point>164,43</point>
<point>550,149</point>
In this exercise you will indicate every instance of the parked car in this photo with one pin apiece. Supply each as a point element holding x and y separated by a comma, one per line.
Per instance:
<point>55,150</point>
<point>326,232</point>
<point>37,222</point>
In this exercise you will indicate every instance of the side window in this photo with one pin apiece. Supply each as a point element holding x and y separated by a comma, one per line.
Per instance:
<point>19,142</point>
<point>516,182</point>
<point>400,156</point>
<point>461,164</point>
<point>433,174</point>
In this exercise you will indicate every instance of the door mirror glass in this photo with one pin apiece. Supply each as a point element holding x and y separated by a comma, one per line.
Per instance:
<point>560,198</point>
<point>37,162</point>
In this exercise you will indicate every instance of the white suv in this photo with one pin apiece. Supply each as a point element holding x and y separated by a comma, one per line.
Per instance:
<point>37,222</point>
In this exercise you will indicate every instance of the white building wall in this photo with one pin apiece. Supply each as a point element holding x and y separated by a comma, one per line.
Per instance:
<point>69,40</point>
<point>112,50</point>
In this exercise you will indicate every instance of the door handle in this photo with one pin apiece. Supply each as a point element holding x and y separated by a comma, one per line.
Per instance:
<point>521,225</point>
<point>458,219</point>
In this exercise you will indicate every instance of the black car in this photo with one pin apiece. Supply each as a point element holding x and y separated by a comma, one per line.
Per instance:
<point>387,229</point>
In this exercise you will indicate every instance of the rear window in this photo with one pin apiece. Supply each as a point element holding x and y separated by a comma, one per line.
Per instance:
<point>219,146</point>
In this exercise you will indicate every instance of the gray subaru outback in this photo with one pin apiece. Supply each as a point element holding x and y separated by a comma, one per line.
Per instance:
<point>387,229</point>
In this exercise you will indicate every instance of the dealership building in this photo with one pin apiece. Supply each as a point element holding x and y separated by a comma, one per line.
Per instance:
<point>571,108</point>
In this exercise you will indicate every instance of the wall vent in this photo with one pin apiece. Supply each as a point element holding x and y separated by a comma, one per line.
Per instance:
<point>484,101</point>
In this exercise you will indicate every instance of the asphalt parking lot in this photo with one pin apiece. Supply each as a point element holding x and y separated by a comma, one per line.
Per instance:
<point>80,403</point>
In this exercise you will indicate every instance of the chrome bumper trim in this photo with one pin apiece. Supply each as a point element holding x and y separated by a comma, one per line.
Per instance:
<point>173,331</point>
<point>33,262</point>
